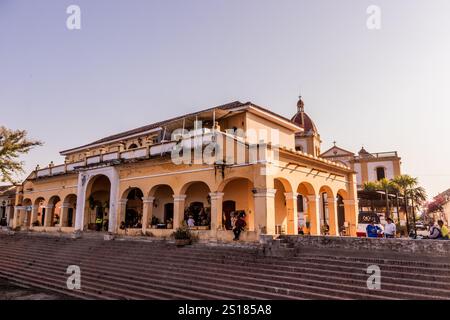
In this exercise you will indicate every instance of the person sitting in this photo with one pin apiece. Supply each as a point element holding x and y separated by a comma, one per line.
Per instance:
<point>444,229</point>
<point>435,232</point>
<point>372,230</point>
<point>191,222</point>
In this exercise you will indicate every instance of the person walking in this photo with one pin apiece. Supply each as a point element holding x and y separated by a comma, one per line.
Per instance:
<point>390,229</point>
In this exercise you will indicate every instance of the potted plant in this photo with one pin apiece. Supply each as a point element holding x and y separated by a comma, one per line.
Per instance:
<point>36,223</point>
<point>182,236</point>
<point>169,223</point>
<point>154,223</point>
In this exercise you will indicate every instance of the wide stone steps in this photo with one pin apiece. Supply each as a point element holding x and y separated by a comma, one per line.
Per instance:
<point>295,281</point>
<point>156,270</point>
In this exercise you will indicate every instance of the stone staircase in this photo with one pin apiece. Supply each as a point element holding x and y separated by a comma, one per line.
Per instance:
<point>145,269</point>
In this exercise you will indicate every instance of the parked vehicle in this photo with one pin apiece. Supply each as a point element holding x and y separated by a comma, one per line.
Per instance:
<point>364,219</point>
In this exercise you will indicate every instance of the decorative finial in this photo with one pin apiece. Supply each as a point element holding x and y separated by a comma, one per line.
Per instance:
<point>334,143</point>
<point>300,104</point>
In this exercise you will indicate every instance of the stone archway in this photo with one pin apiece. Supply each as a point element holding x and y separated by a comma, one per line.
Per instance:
<point>38,219</point>
<point>310,222</point>
<point>284,207</point>
<point>237,200</point>
<point>53,212</point>
<point>327,212</point>
<point>97,204</point>
<point>68,210</point>
<point>160,206</point>
<point>197,204</point>
<point>131,217</point>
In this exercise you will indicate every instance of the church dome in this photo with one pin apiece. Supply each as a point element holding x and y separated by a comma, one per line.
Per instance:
<point>302,119</point>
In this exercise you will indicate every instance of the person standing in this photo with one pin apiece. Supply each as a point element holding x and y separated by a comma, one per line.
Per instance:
<point>390,229</point>
<point>372,230</point>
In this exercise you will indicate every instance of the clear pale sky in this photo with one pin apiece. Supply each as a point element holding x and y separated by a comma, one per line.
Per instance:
<point>137,62</point>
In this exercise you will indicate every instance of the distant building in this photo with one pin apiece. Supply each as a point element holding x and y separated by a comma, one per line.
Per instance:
<point>130,180</point>
<point>7,203</point>
<point>369,167</point>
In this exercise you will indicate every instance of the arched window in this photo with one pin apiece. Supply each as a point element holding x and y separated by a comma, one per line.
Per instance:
<point>381,174</point>
<point>132,146</point>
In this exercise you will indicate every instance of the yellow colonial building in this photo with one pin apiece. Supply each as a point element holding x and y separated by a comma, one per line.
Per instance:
<point>208,166</point>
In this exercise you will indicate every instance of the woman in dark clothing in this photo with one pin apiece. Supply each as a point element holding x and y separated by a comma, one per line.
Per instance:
<point>239,227</point>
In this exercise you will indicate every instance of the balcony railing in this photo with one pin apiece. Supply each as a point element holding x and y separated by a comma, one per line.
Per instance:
<point>389,154</point>
<point>138,153</point>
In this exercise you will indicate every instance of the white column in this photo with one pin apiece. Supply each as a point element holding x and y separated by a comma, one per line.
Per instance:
<point>81,201</point>
<point>216,210</point>
<point>15,222</point>
<point>292,213</point>
<point>34,213</point>
<point>48,215</point>
<point>147,212</point>
<point>64,215</point>
<point>264,201</point>
<point>113,200</point>
<point>25,218</point>
<point>178,209</point>
<point>314,214</point>
<point>121,211</point>
<point>332,214</point>
<point>9,213</point>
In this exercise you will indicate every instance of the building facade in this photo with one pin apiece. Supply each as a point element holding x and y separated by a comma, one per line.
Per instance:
<point>369,167</point>
<point>237,158</point>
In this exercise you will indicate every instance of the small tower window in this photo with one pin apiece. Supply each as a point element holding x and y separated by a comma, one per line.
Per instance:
<point>381,174</point>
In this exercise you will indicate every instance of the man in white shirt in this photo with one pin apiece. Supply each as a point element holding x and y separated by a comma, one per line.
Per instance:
<point>390,229</point>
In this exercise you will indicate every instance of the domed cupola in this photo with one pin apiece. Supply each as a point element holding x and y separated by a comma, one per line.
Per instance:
<point>307,140</point>
<point>303,120</point>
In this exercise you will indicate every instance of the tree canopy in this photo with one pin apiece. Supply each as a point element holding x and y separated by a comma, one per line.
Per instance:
<point>13,144</point>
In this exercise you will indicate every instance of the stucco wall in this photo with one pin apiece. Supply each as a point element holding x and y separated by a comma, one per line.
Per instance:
<point>423,247</point>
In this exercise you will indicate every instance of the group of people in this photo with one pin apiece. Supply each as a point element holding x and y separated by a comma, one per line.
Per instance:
<point>439,231</point>
<point>194,218</point>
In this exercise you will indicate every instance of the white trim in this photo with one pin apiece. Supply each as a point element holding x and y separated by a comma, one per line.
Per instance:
<point>70,151</point>
<point>167,174</point>
<point>53,189</point>
<point>318,174</point>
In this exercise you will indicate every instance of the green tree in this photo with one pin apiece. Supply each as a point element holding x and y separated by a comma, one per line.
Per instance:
<point>13,144</point>
<point>409,188</point>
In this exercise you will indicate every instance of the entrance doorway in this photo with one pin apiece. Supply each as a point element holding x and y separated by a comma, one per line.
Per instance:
<point>228,207</point>
<point>168,212</point>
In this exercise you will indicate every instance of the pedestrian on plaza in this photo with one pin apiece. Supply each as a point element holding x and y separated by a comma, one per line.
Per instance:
<point>390,229</point>
<point>435,232</point>
<point>372,230</point>
<point>444,229</point>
